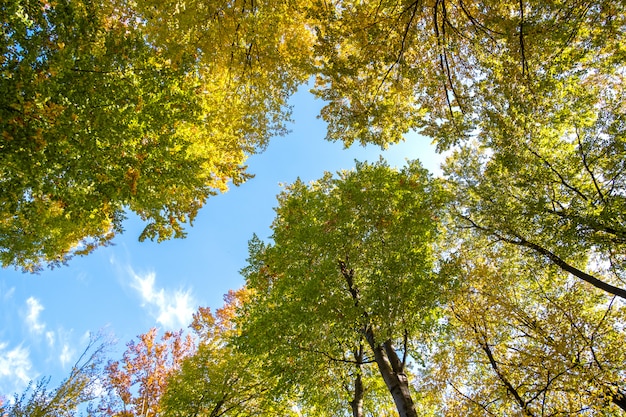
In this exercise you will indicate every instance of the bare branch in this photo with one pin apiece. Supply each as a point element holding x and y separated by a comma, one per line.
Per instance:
<point>494,365</point>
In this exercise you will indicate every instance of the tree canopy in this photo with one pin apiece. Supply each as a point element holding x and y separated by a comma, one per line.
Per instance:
<point>524,339</point>
<point>134,385</point>
<point>497,289</point>
<point>97,117</point>
<point>219,379</point>
<point>561,199</point>
<point>347,280</point>
<point>454,69</point>
<point>153,106</point>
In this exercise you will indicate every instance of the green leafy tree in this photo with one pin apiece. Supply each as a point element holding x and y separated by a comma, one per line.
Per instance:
<point>452,68</point>
<point>561,199</point>
<point>218,379</point>
<point>531,90</point>
<point>325,376</point>
<point>350,268</point>
<point>95,120</point>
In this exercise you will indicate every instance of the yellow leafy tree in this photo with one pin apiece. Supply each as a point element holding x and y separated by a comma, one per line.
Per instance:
<point>524,339</point>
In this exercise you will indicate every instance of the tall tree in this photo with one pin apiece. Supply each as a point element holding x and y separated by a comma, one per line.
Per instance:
<point>329,375</point>
<point>561,198</point>
<point>350,265</point>
<point>537,86</point>
<point>453,68</point>
<point>97,117</point>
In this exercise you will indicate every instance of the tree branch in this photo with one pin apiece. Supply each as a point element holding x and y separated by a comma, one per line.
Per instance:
<point>402,44</point>
<point>494,365</point>
<point>359,361</point>
<point>586,165</point>
<point>557,173</point>
<point>443,59</point>
<point>479,25</point>
<point>520,241</point>
<point>521,38</point>
<point>620,292</point>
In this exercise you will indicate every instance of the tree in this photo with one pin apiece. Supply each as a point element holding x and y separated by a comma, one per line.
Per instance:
<point>95,119</point>
<point>350,266</point>
<point>560,198</point>
<point>532,91</point>
<point>454,68</point>
<point>78,389</point>
<point>256,52</point>
<point>524,339</point>
<point>169,98</point>
<point>135,384</point>
<point>450,68</point>
<point>337,370</point>
<point>218,379</point>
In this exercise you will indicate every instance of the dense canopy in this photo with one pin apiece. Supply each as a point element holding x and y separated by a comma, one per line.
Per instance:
<point>98,116</point>
<point>153,106</point>
<point>347,281</point>
<point>497,289</point>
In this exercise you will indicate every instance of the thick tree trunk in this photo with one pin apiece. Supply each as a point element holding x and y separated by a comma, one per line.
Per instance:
<point>359,391</point>
<point>389,364</point>
<point>392,371</point>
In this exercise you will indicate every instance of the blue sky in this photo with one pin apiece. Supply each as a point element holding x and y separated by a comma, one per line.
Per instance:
<point>127,288</point>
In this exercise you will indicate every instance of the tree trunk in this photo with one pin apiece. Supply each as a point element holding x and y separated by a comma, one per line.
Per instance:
<point>389,364</point>
<point>392,370</point>
<point>357,401</point>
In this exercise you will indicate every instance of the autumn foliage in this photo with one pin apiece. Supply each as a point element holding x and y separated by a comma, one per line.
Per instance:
<point>136,383</point>
<point>497,289</point>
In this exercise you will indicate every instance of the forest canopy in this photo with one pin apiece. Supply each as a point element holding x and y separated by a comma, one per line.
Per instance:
<point>111,106</point>
<point>496,289</point>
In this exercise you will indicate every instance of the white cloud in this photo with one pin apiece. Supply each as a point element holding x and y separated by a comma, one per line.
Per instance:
<point>50,338</point>
<point>66,355</point>
<point>172,309</point>
<point>15,369</point>
<point>32,316</point>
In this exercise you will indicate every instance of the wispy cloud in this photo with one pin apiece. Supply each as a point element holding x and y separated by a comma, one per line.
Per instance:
<point>7,294</point>
<point>50,338</point>
<point>32,315</point>
<point>67,353</point>
<point>171,308</point>
<point>15,369</point>
<point>58,341</point>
